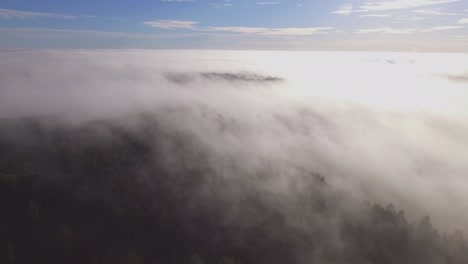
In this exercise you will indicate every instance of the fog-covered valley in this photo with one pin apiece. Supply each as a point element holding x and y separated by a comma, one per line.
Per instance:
<point>233,157</point>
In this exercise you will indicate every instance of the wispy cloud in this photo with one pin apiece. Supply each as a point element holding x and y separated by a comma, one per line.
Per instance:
<point>172,24</point>
<point>244,30</point>
<point>268,3</point>
<point>459,38</point>
<point>377,6</point>
<point>386,30</point>
<point>273,31</point>
<point>441,28</point>
<point>31,32</point>
<point>9,13</point>
<point>413,18</point>
<point>63,33</point>
<point>434,12</point>
<point>389,30</point>
<point>344,10</point>
<point>177,24</point>
<point>463,21</point>
<point>226,3</point>
<point>375,15</point>
<point>401,4</point>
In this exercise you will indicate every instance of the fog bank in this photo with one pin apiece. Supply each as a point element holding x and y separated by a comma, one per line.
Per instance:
<point>385,127</point>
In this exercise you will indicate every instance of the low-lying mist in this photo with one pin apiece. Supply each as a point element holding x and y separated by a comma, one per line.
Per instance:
<point>251,137</point>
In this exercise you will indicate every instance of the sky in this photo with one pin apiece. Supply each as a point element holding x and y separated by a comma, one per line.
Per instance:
<point>338,25</point>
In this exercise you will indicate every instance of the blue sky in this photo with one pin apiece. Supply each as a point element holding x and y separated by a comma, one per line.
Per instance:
<point>393,25</point>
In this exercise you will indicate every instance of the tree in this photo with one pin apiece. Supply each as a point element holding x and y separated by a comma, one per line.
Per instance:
<point>226,260</point>
<point>33,211</point>
<point>196,259</point>
<point>11,254</point>
<point>132,258</point>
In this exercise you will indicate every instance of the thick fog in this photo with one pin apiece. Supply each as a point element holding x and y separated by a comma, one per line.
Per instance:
<point>385,127</point>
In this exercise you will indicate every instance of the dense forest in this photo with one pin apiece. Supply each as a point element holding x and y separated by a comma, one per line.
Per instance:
<point>104,191</point>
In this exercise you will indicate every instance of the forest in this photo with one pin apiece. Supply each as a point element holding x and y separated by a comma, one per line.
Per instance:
<point>103,191</point>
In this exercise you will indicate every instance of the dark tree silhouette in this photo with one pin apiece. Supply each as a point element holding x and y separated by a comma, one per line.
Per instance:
<point>100,192</point>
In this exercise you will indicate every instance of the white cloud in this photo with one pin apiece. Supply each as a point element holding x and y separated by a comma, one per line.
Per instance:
<point>415,18</point>
<point>460,38</point>
<point>389,30</point>
<point>268,3</point>
<point>8,13</point>
<point>177,24</point>
<point>244,30</point>
<point>227,3</point>
<point>389,5</point>
<point>297,31</point>
<point>344,10</point>
<point>44,32</point>
<point>221,5</point>
<point>375,15</point>
<point>401,4</point>
<point>86,37</point>
<point>172,24</point>
<point>463,21</point>
<point>386,30</point>
<point>441,28</point>
<point>434,11</point>
<point>273,31</point>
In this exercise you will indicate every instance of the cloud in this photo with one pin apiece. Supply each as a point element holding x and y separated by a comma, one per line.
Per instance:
<point>221,5</point>
<point>249,142</point>
<point>243,30</point>
<point>415,18</point>
<point>273,31</point>
<point>268,3</point>
<point>459,78</point>
<point>463,21</point>
<point>375,15</point>
<point>344,10</point>
<point>176,24</point>
<point>69,32</point>
<point>27,38</point>
<point>172,24</point>
<point>9,13</point>
<point>371,144</point>
<point>460,37</point>
<point>388,5</point>
<point>227,3</point>
<point>389,30</point>
<point>441,28</point>
<point>402,4</point>
<point>386,30</point>
<point>434,12</point>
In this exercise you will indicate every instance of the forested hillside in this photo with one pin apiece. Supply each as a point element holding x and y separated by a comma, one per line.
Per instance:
<point>107,192</point>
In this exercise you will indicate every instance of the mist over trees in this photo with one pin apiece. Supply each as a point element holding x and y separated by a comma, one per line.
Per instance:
<point>232,157</point>
<point>107,191</point>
